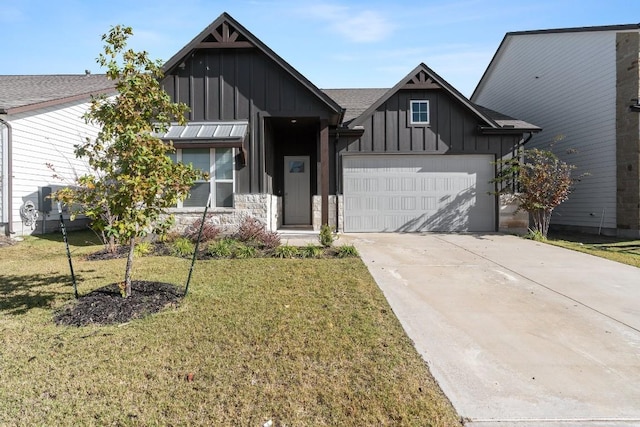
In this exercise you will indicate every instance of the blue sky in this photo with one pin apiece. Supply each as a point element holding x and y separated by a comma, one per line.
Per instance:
<point>336,44</point>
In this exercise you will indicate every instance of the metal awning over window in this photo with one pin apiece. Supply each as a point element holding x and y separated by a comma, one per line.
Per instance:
<point>208,134</point>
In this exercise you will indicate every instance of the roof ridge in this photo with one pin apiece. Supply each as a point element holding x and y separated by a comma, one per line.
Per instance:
<point>578,29</point>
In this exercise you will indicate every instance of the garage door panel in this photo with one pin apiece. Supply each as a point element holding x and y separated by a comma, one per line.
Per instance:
<point>418,193</point>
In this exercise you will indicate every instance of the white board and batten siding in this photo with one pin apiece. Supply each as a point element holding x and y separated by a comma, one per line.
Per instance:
<point>41,137</point>
<point>566,84</point>
<point>418,192</point>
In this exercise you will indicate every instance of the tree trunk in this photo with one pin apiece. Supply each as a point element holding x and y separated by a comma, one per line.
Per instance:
<point>112,247</point>
<point>127,274</point>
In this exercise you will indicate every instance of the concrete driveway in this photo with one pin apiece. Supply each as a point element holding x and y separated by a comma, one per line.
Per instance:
<point>517,333</point>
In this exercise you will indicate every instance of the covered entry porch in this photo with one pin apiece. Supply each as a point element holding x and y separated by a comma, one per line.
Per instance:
<point>298,169</point>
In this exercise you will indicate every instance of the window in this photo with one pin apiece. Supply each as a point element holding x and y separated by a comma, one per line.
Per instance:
<point>419,112</point>
<point>219,163</point>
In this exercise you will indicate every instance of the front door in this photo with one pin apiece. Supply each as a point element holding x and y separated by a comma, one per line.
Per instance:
<point>297,194</point>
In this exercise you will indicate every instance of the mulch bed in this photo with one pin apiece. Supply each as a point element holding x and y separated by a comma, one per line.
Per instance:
<point>106,305</point>
<point>123,252</point>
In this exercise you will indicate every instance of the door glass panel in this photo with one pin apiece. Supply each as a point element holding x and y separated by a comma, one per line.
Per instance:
<point>296,166</point>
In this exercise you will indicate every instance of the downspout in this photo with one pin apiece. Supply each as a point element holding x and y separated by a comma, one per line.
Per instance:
<point>521,144</point>
<point>337,176</point>
<point>527,139</point>
<point>8,185</point>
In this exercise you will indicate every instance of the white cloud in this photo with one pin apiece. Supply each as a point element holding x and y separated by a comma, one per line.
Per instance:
<point>365,27</point>
<point>357,26</point>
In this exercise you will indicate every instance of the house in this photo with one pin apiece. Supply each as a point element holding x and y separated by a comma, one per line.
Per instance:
<point>416,157</point>
<point>40,122</point>
<point>582,84</point>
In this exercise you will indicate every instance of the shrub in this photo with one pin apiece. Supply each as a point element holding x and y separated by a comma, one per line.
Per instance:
<point>270,240</point>
<point>182,247</point>
<point>243,251</point>
<point>536,235</point>
<point>209,231</point>
<point>346,251</point>
<point>252,232</point>
<point>142,249</point>
<point>168,237</point>
<point>327,236</point>
<point>221,248</point>
<point>286,251</point>
<point>311,251</point>
<point>541,181</point>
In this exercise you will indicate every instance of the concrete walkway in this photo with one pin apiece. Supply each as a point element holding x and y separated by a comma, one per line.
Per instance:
<point>517,333</point>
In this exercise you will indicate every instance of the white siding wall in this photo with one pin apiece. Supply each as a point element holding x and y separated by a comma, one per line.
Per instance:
<point>46,136</point>
<point>566,84</point>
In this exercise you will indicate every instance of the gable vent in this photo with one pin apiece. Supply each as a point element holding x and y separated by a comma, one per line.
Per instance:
<point>422,81</point>
<point>225,36</point>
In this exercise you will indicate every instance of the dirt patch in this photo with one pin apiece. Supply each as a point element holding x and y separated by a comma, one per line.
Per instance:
<point>107,306</point>
<point>5,241</point>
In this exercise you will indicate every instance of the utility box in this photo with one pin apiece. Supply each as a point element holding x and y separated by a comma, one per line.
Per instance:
<point>44,200</point>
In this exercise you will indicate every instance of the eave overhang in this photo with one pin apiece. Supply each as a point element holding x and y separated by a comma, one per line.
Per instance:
<point>486,130</point>
<point>57,101</point>
<point>346,131</point>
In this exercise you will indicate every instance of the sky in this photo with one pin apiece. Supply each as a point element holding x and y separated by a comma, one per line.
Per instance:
<point>335,44</point>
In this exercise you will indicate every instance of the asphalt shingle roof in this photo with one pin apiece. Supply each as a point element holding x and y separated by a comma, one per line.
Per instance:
<point>355,101</point>
<point>505,121</point>
<point>17,91</point>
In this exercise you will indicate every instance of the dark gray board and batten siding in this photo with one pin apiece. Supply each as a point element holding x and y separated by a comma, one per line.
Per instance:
<point>453,129</point>
<point>242,84</point>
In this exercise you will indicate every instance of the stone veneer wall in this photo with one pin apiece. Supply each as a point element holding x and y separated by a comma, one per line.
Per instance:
<point>627,134</point>
<point>333,214</point>
<point>265,207</point>
<point>510,220</point>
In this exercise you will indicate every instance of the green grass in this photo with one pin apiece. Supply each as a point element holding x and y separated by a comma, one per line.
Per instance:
<point>304,342</point>
<point>621,250</point>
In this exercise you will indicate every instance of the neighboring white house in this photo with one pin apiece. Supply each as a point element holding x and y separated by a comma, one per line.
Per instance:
<point>40,122</point>
<point>582,84</point>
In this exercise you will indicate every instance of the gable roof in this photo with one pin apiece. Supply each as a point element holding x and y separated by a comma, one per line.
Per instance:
<point>19,93</point>
<point>227,32</point>
<point>423,77</point>
<point>507,36</point>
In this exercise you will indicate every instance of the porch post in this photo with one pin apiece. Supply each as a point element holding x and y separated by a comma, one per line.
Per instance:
<point>324,169</point>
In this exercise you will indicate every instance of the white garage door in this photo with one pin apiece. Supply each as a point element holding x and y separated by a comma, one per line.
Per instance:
<point>418,193</point>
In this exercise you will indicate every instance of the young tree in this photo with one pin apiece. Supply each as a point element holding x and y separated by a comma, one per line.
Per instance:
<point>542,181</point>
<point>134,180</point>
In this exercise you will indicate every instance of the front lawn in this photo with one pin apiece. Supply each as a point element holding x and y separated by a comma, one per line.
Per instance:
<point>300,342</point>
<point>626,251</point>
